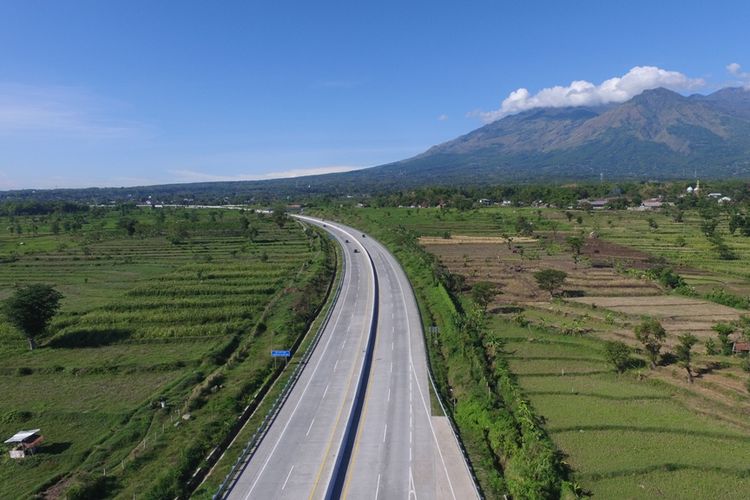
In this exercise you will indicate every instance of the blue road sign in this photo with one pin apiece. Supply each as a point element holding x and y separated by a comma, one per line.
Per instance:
<point>281,354</point>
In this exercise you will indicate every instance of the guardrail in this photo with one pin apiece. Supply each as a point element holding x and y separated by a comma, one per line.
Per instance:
<point>431,376</point>
<point>249,450</point>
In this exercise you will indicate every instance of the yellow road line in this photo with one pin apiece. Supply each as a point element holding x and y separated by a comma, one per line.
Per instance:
<point>355,451</point>
<point>338,417</point>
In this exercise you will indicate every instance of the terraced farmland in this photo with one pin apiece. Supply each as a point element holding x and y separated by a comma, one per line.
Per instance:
<point>149,319</point>
<point>623,438</point>
<point>642,434</point>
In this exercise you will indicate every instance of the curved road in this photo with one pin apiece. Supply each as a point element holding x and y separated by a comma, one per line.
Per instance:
<point>399,450</point>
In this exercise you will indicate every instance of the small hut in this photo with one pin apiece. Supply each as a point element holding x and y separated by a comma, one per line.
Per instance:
<point>741,348</point>
<point>24,443</point>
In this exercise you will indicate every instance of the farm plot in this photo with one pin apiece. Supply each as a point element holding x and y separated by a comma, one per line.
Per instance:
<point>145,319</point>
<point>623,438</point>
<point>510,267</point>
<point>603,302</point>
<point>677,314</point>
<point>683,244</point>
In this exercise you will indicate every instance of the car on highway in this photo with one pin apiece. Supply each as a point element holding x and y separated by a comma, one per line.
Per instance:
<point>346,241</point>
<point>356,251</point>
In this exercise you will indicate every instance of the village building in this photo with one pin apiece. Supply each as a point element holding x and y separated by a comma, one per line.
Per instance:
<point>599,204</point>
<point>650,204</point>
<point>24,443</point>
<point>740,347</point>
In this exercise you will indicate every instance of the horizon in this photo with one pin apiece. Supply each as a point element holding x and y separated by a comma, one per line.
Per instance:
<point>147,95</point>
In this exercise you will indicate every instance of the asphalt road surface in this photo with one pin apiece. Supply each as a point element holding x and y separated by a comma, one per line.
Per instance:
<point>399,449</point>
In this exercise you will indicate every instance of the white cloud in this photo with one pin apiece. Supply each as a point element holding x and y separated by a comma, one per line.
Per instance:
<point>60,110</point>
<point>583,93</point>
<point>442,117</point>
<point>734,69</point>
<point>743,77</point>
<point>194,176</point>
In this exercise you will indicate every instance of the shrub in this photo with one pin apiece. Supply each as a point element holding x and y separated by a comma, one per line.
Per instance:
<point>618,354</point>
<point>711,348</point>
<point>723,332</point>
<point>651,334</point>
<point>666,277</point>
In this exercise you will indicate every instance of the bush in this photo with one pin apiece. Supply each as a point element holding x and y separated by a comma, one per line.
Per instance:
<point>666,277</point>
<point>87,487</point>
<point>618,354</point>
<point>721,296</point>
<point>711,348</point>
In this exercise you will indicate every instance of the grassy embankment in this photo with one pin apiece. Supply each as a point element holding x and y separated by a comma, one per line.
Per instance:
<point>184,311</point>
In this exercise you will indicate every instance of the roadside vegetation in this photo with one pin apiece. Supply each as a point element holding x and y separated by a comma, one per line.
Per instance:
<point>582,352</point>
<point>166,321</point>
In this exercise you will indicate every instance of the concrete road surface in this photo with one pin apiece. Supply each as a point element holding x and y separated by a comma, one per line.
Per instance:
<point>399,449</point>
<point>295,459</point>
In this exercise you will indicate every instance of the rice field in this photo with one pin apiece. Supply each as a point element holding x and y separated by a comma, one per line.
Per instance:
<point>145,319</point>
<point>623,438</point>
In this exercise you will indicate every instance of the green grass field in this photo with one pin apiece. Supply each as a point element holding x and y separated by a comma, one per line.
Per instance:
<point>622,437</point>
<point>146,318</point>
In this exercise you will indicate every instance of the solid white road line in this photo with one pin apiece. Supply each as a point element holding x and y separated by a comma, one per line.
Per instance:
<point>377,488</point>
<point>287,478</point>
<point>385,431</point>
<point>419,388</point>
<point>311,424</point>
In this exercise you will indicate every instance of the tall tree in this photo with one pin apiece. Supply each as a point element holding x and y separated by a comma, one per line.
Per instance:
<point>483,292</point>
<point>651,334</point>
<point>724,332</point>
<point>684,352</point>
<point>244,223</point>
<point>550,280</point>
<point>31,308</point>
<point>279,215</point>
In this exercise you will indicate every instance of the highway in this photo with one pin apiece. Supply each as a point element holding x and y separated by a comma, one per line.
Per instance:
<point>398,449</point>
<point>401,450</point>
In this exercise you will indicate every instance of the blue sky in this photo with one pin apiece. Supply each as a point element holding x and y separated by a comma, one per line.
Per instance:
<point>126,93</point>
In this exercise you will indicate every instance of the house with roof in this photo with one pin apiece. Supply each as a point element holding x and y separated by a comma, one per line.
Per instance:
<point>741,348</point>
<point>24,443</point>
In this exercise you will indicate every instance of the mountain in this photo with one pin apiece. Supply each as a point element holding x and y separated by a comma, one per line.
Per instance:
<point>658,134</point>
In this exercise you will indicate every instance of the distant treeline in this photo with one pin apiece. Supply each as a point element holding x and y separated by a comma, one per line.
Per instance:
<point>320,191</point>
<point>33,207</point>
<point>620,195</point>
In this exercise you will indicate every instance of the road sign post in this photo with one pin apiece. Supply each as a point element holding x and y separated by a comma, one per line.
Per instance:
<point>280,354</point>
